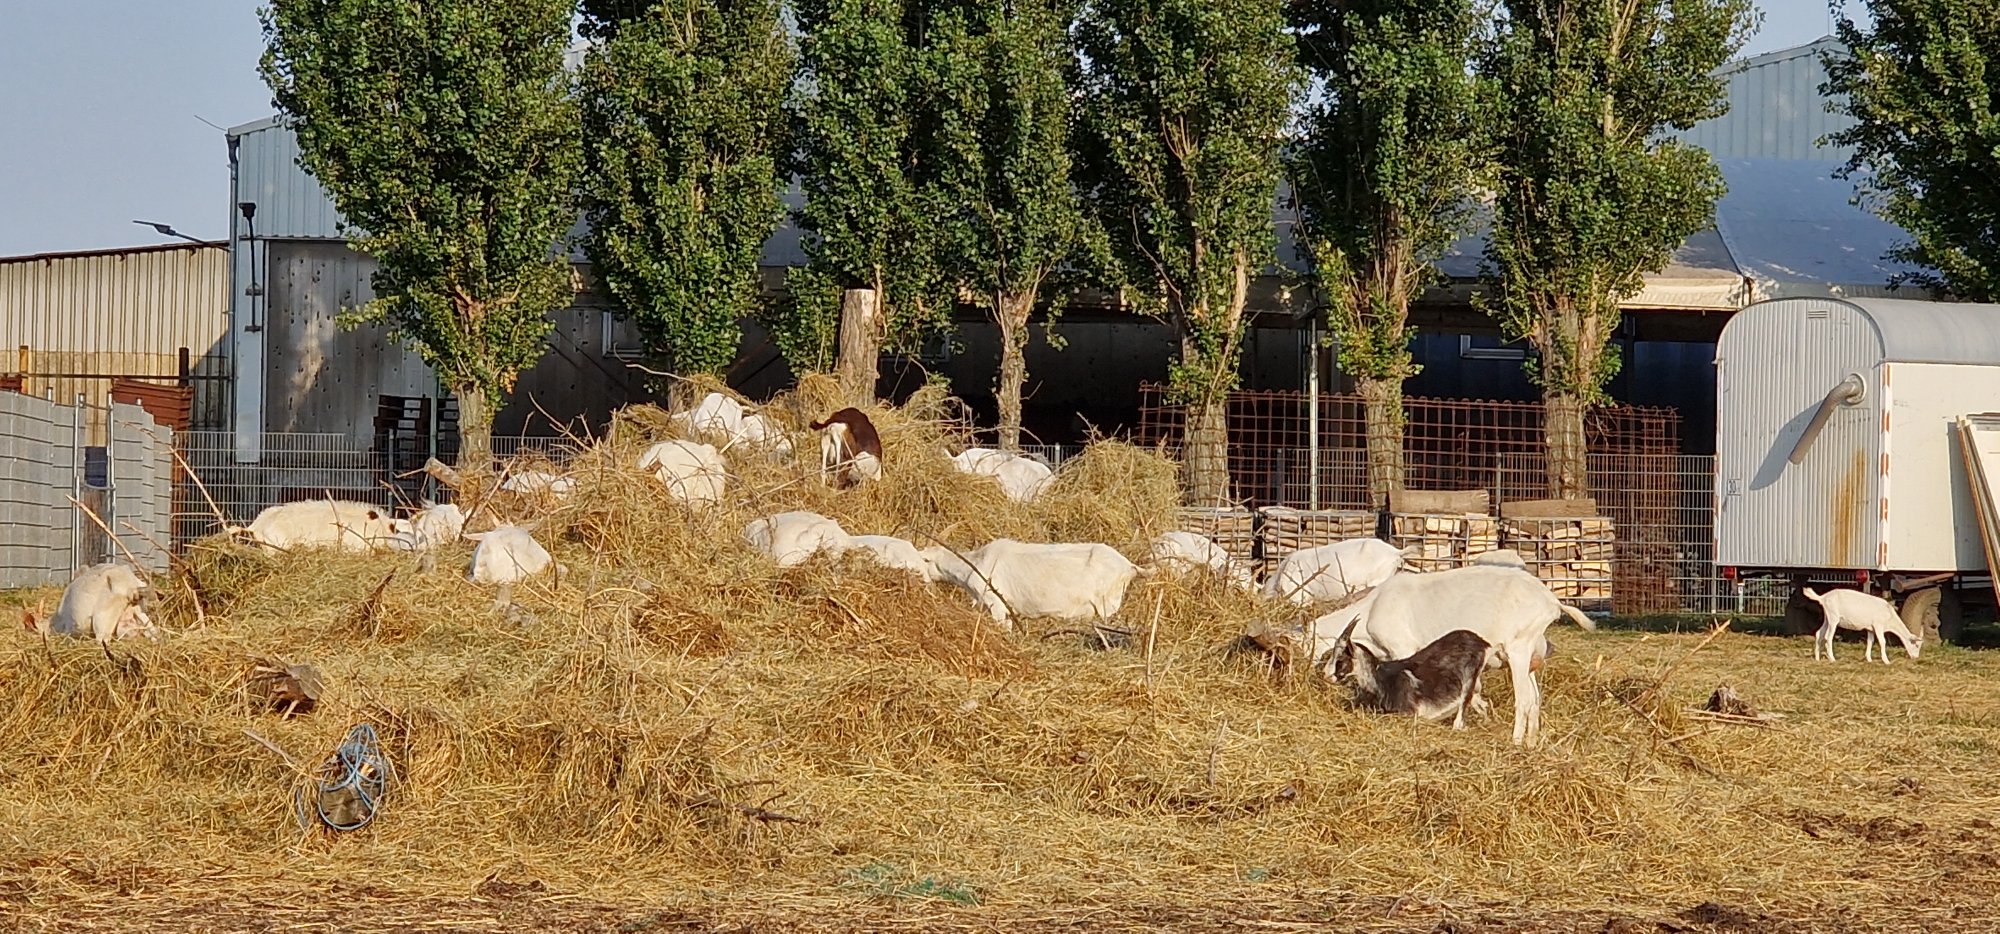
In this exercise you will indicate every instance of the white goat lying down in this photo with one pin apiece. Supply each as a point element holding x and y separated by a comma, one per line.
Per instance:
<point>691,470</point>
<point>1866,613</point>
<point>1010,579</point>
<point>1509,608</point>
<point>1186,551</point>
<point>1437,683</point>
<point>793,537</point>
<point>342,524</point>
<point>1021,477</point>
<point>719,416</point>
<point>102,603</point>
<point>1330,572</point>
<point>434,526</point>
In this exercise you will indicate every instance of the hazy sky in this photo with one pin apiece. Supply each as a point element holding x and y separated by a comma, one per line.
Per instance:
<point>98,124</point>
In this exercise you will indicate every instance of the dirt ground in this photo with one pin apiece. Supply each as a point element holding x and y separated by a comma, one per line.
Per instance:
<point>503,906</point>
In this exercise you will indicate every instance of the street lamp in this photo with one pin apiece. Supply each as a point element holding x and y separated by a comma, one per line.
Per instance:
<point>168,230</point>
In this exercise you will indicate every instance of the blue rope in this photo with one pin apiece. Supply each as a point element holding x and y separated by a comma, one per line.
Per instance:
<point>364,771</point>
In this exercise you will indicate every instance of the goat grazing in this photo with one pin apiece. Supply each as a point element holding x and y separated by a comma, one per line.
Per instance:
<point>1508,607</point>
<point>1331,572</point>
<point>793,537</point>
<point>1436,683</point>
<point>891,552</point>
<point>506,556</point>
<point>1021,477</point>
<point>849,447</point>
<point>691,470</point>
<point>1869,614</point>
<point>1186,551</point>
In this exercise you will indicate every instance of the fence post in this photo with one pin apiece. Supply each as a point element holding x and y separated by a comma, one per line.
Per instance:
<point>75,484</point>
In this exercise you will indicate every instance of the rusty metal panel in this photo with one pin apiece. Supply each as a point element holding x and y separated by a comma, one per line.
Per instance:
<point>1775,363</point>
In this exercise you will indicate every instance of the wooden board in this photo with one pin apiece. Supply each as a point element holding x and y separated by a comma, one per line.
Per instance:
<point>1449,502</point>
<point>1549,509</point>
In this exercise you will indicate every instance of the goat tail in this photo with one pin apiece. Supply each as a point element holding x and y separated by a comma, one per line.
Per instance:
<point>1577,616</point>
<point>1811,594</point>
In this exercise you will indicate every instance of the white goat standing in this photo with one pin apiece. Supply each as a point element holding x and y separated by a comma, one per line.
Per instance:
<point>1866,613</point>
<point>506,556</point>
<point>103,602</point>
<point>1509,608</point>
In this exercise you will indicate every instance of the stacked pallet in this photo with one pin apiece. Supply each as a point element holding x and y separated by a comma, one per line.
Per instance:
<point>1573,555</point>
<point>1286,530</point>
<point>1235,530</point>
<point>1444,541</point>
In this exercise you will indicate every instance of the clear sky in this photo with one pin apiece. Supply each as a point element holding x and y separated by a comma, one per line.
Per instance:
<point>98,122</point>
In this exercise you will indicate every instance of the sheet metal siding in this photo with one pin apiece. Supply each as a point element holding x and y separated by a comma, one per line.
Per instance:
<point>1933,332</point>
<point>319,376</point>
<point>1775,110</point>
<point>141,306</point>
<point>1777,361</point>
<point>1934,525</point>
<point>290,202</point>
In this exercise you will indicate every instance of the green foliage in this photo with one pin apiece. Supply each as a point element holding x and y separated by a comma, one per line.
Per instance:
<point>1591,195</point>
<point>1184,104</point>
<point>683,128</point>
<point>996,147</point>
<point>1924,88</point>
<point>447,137</point>
<point>857,115</point>
<point>1385,171</point>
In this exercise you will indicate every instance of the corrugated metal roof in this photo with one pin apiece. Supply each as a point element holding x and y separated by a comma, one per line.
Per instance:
<point>1933,332</point>
<point>116,251</point>
<point>1775,108</point>
<point>1795,228</point>
<point>291,205</point>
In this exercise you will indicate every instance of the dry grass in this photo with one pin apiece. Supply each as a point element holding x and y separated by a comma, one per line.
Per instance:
<point>680,721</point>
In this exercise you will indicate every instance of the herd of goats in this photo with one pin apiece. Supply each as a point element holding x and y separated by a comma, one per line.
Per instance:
<point>1406,642</point>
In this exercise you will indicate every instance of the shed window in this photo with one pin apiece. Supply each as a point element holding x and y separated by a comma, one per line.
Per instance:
<point>1489,347</point>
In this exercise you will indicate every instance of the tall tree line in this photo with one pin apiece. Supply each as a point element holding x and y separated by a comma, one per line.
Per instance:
<point>998,155</point>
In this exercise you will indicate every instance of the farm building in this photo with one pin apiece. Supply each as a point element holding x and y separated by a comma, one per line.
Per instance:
<point>147,321</point>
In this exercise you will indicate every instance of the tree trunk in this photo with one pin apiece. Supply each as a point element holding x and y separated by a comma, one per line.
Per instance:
<point>1383,401</point>
<point>1011,313</point>
<point>475,429</point>
<point>1568,460</point>
<point>860,343</point>
<point>1207,452</point>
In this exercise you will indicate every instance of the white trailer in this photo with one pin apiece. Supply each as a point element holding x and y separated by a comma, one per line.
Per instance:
<point>1837,452</point>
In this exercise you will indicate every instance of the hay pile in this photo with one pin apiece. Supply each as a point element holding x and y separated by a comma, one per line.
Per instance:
<point>679,720</point>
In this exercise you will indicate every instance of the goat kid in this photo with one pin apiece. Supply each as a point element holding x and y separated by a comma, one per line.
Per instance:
<point>104,602</point>
<point>1437,683</point>
<point>849,447</point>
<point>1866,613</point>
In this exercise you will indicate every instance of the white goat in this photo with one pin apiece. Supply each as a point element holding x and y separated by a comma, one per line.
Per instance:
<point>1330,572</point>
<point>342,524</point>
<point>540,483</point>
<point>691,470</point>
<point>1186,551</point>
<point>433,526</point>
<point>1502,558</point>
<point>793,537</point>
<point>1866,613</point>
<point>1021,477</point>
<point>718,416</point>
<point>1509,608</point>
<point>104,603</point>
<point>892,552</point>
<point>506,556</point>
<point>1010,579</point>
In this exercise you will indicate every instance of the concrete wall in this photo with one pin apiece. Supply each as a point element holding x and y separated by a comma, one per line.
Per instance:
<point>43,538</point>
